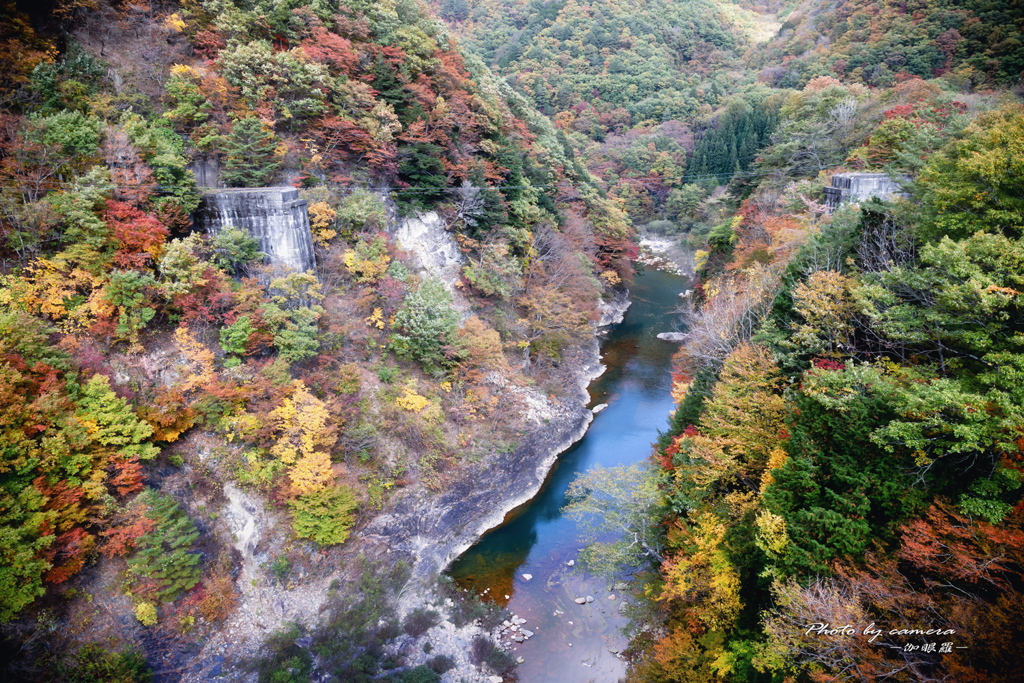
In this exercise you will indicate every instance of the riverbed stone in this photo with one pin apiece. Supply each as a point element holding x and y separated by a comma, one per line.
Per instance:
<point>527,577</point>
<point>590,598</point>
<point>581,601</point>
<point>570,563</point>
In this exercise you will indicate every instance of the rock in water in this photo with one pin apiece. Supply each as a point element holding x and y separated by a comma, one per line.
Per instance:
<point>273,215</point>
<point>581,601</point>
<point>672,336</point>
<point>590,598</point>
<point>527,577</point>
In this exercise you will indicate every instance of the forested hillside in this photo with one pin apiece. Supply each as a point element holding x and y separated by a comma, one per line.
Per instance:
<point>148,370</point>
<point>846,449</point>
<point>193,443</point>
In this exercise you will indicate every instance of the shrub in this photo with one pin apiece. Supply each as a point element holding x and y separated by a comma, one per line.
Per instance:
<point>97,664</point>
<point>441,664</point>
<point>234,249</point>
<point>280,568</point>
<point>420,620</point>
<point>369,260</point>
<point>421,674</point>
<point>480,649</point>
<point>361,211</point>
<point>145,612</point>
<point>484,651</point>
<point>325,516</point>
<point>219,600</point>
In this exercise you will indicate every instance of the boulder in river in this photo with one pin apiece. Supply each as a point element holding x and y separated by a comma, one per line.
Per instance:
<point>672,336</point>
<point>581,601</point>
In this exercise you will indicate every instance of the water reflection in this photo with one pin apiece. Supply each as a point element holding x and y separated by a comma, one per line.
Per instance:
<point>536,539</point>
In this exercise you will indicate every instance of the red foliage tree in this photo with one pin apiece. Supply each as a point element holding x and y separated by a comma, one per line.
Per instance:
<point>140,236</point>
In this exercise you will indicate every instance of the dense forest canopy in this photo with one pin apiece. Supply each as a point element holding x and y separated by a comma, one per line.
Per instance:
<point>847,441</point>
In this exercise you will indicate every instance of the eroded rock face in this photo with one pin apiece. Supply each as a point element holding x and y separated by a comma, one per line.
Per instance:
<point>273,215</point>
<point>432,247</point>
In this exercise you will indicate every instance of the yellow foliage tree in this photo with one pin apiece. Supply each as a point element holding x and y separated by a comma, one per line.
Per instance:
<point>321,220</point>
<point>826,304</point>
<point>304,437</point>
<point>743,421</point>
<point>704,576</point>
<point>412,401</point>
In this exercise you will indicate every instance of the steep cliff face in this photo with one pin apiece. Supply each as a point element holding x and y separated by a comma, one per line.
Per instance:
<point>273,215</point>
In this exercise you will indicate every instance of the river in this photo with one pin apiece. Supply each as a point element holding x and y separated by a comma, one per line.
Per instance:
<point>536,539</point>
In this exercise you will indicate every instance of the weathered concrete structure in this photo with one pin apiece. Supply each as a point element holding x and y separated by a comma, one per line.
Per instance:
<point>860,187</point>
<point>273,215</point>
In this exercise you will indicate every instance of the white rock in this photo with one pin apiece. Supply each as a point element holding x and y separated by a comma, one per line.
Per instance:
<point>590,598</point>
<point>581,601</point>
<point>519,660</point>
<point>612,596</point>
<point>528,634</point>
<point>527,577</point>
<point>494,679</point>
<point>598,408</point>
<point>570,563</point>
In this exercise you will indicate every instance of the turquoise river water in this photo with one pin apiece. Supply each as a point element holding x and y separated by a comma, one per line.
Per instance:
<point>579,645</point>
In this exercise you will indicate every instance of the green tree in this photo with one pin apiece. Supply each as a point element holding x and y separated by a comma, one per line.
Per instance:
<point>428,326</point>
<point>165,554</point>
<point>234,249</point>
<point>127,291</point>
<point>233,339</point>
<point>325,516</point>
<point>251,155</point>
<point>620,503</point>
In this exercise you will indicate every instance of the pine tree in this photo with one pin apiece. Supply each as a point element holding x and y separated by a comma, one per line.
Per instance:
<point>164,554</point>
<point>252,157</point>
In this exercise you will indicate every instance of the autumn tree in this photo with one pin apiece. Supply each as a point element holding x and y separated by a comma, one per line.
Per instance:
<point>617,510</point>
<point>305,435</point>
